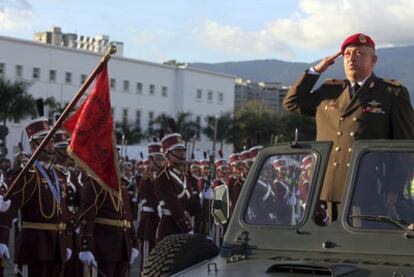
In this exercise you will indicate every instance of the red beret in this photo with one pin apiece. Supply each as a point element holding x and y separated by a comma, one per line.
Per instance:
<point>358,39</point>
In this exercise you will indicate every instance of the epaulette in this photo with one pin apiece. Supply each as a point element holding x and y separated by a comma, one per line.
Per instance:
<point>334,82</point>
<point>392,82</point>
<point>393,86</point>
<point>164,171</point>
<point>147,176</point>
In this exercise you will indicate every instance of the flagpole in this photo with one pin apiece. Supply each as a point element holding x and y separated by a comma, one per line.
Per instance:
<point>65,113</point>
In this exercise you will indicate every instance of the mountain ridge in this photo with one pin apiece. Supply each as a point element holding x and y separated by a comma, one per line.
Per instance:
<point>393,63</point>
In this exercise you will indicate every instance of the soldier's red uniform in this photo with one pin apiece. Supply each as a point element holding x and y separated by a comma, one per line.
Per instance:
<point>148,215</point>
<point>106,228</point>
<point>40,197</point>
<point>173,190</point>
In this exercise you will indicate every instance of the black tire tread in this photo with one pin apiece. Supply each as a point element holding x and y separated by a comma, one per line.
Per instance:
<point>177,252</point>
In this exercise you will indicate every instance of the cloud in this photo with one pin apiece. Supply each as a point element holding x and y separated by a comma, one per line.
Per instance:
<point>326,23</point>
<point>146,45</point>
<point>316,25</point>
<point>234,40</point>
<point>15,15</point>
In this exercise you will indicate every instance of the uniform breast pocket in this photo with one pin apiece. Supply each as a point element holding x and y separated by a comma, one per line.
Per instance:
<point>374,125</point>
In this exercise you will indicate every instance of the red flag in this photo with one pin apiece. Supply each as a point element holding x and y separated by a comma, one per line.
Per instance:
<point>93,143</point>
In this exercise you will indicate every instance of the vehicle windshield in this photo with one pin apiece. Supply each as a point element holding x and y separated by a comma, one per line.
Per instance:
<point>383,191</point>
<point>281,191</point>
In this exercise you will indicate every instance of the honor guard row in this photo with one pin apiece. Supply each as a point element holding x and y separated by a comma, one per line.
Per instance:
<point>67,223</point>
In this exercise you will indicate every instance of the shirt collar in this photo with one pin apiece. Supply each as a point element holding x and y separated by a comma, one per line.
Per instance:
<point>360,83</point>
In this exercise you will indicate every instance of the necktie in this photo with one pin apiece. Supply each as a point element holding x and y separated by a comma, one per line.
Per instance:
<point>353,90</point>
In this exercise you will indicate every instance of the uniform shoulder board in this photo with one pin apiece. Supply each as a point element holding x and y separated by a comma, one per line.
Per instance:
<point>393,86</point>
<point>334,82</point>
<point>165,172</point>
<point>147,175</point>
<point>392,82</point>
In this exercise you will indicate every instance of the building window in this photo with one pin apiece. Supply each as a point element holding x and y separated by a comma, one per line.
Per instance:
<point>2,70</point>
<point>126,85</point>
<point>152,89</point>
<point>68,77</point>
<point>139,88</point>
<point>19,71</point>
<point>83,78</point>
<point>52,75</point>
<point>125,116</point>
<point>112,83</point>
<point>164,92</point>
<point>199,94</point>
<point>210,95</point>
<point>220,97</point>
<point>36,73</point>
<point>150,118</point>
<point>138,119</point>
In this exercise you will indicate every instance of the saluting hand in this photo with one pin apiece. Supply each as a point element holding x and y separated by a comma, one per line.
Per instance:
<point>326,62</point>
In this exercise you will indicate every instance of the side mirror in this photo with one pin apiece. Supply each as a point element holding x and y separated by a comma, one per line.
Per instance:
<point>220,205</point>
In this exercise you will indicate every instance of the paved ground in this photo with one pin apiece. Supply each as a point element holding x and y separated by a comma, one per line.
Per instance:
<point>9,264</point>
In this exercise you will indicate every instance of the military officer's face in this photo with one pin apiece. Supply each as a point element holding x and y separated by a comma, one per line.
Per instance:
<point>177,156</point>
<point>359,62</point>
<point>48,151</point>
<point>195,171</point>
<point>223,171</point>
<point>157,161</point>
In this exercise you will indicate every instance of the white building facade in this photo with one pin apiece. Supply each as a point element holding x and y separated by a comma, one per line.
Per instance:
<point>140,90</point>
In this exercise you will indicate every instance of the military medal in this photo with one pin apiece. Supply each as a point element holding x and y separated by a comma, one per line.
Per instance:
<point>373,107</point>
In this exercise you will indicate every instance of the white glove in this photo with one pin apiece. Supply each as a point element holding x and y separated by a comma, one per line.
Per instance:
<point>68,254</point>
<point>208,194</point>
<point>4,205</point>
<point>87,258</point>
<point>134,255</point>
<point>4,251</point>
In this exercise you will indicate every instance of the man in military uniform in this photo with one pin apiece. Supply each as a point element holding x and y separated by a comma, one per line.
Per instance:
<point>105,222</point>
<point>173,190</point>
<point>363,106</point>
<point>235,181</point>
<point>130,179</point>
<point>148,217</point>
<point>40,198</point>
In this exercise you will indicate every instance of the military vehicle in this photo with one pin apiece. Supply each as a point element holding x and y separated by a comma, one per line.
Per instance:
<point>279,230</point>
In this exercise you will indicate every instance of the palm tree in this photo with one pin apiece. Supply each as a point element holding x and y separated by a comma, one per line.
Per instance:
<point>15,102</point>
<point>187,127</point>
<point>132,133</point>
<point>225,128</point>
<point>255,120</point>
<point>160,122</point>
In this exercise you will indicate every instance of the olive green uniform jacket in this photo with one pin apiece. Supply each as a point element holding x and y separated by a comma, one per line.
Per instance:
<point>380,109</point>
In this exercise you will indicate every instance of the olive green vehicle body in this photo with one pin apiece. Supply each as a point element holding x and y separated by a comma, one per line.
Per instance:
<point>308,249</point>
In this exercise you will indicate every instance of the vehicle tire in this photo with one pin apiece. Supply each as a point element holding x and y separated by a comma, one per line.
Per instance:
<point>177,252</point>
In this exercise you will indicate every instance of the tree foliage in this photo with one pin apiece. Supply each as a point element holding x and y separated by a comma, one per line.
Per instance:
<point>15,102</point>
<point>132,134</point>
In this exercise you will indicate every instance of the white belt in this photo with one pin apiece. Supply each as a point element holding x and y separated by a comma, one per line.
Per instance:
<point>161,211</point>
<point>147,209</point>
<point>166,212</point>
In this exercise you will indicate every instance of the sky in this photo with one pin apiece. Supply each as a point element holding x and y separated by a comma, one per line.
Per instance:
<point>217,30</point>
